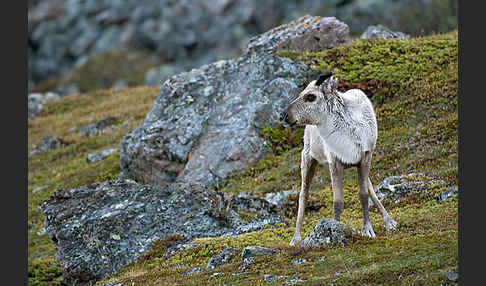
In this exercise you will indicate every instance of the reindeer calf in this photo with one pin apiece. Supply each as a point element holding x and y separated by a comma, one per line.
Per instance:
<point>341,129</point>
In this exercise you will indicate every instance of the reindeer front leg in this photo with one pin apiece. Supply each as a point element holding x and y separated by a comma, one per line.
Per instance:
<point>307,170</point>
<point>363,181</point>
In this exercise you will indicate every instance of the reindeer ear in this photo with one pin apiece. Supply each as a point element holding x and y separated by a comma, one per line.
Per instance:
<point>323,77</point>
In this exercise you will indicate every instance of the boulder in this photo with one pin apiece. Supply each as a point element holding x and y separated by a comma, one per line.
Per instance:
<point>205,123</point>
<point>307,33</point>
<point>380,31</point>
<point>327,232</point>
<point>99,228</point>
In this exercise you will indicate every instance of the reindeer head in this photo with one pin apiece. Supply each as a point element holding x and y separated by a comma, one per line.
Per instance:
<point>308,107</point>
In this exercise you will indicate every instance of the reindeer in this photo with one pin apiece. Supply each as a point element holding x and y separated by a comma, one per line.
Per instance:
<point>341,130</point>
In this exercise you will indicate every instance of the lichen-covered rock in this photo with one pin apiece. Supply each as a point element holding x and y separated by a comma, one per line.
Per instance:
<point>327,231</point>
<point>221,258</point>
<point>36,101</point>
<point>396,188</point>
<point>205,123</point>
<point>380,31</point>
<point>307,33</point>
<point>99,228</point>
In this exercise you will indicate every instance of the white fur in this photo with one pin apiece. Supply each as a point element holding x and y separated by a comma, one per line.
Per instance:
<point>347,144</point>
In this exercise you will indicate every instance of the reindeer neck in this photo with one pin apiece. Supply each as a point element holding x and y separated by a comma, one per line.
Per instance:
<point>335,116</point>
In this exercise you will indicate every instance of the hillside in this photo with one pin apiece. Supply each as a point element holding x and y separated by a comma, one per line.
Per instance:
<point>413,85</point>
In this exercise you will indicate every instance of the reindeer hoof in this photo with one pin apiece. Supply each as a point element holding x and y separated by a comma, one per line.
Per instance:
<point>368,230</point>
<point>390,223</point>
<point>295,241</point>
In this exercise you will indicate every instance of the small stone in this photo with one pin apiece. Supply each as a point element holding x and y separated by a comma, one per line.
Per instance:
<point>116,237</point>
<point>221,258</point>
<point>295,281</point>
<point>42,231</point>
<point>193,270</point>
<point>280,198</point>
<point>98,127</point>
<point>380,31</point>
<point>327,231</point>
<point>294,169</point>
<point>47,143</point>
<point>271,278</point>
<point>255,251</point>
<point>215,274</point>
<point>452,275</point>
<point>92,157</point>
<point>449,193</point>
<point>299,261</point>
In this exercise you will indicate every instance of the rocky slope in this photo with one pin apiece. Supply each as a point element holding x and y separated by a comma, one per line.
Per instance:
<point>413,86</point>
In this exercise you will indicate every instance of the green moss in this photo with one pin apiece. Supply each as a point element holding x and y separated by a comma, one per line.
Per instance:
<point>43,272</point>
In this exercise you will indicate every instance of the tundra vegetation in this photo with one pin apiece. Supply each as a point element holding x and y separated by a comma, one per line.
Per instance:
<point>413,85</point>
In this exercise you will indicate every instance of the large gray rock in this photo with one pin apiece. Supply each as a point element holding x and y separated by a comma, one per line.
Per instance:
<point>327,232</point>
<point>99,228</point>
<point>205,123</point>
<point>307,33</point>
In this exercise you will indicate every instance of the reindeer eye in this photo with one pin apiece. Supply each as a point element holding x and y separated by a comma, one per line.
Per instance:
<point>309,97</point>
